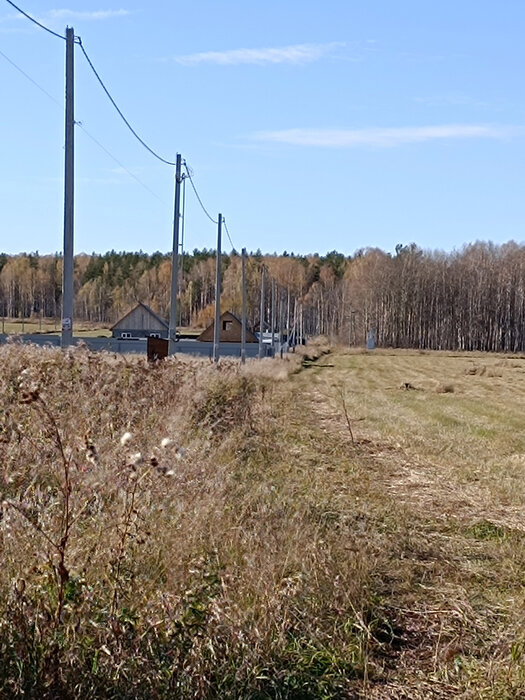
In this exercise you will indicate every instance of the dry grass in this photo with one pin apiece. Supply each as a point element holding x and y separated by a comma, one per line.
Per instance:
<point>51,327</point>
<point>450,465</point>
<point>137,567</point>
<point>193,531</point>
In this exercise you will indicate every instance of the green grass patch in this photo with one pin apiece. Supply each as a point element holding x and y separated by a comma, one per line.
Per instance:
<point>485,530</point>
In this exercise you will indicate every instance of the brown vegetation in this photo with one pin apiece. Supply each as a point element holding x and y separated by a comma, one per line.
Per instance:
<point>194,531</point>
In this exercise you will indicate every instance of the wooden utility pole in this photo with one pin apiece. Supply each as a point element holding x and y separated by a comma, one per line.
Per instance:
<point>69,191</point>
<point>172,333</point>
<point>243,328</point>
<point>261,317</point>
<point>216,329</point>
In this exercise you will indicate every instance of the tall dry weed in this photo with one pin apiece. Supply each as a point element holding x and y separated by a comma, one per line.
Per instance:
<point>159,538</point>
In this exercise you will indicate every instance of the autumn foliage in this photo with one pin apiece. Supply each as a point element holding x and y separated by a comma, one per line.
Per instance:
<point>472,299</point>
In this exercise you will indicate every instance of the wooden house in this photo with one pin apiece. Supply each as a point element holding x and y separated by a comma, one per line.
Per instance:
<point>140,322</point>
<point>230,330</point>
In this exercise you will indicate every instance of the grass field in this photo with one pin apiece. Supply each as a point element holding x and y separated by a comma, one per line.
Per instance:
<point>344,525</point>
<point>51,327</point>
<point>81,330</point>
<point>439,457</point>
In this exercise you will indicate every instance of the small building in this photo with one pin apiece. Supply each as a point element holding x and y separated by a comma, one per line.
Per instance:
<point>140,322</point>
<point>230,330</point>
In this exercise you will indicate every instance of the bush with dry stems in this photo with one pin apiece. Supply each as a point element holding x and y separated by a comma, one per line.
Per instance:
<point>160,539</point>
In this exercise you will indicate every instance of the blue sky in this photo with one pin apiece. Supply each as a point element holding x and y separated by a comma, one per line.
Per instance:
<point>311,126</point>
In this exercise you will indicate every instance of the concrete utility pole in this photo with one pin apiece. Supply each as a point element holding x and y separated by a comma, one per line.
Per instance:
<point>243,329</point>
<point>172,333</point>
<point>261,317</point>
<point>288,320</point>
<point>273,318</point>
<point>280,324</point>
<point>294,326</point>
<point>183,225</point>
<point>216,329</point>
<point>69,193</point>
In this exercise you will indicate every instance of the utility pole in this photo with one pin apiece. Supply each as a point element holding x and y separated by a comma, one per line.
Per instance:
<point>294,327</point>
<point>243,329</point>
<point>273,318</point>
<point>183,220</point>
<point>172,333</point>
<point>69,193</point>
<point>288,320</point>
<point>261,317</point>
<point>216,329</point>
<point>280,324</point>
<point>300,323</point>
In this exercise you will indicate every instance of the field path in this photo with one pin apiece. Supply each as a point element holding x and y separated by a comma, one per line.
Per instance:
<point>437,460</point>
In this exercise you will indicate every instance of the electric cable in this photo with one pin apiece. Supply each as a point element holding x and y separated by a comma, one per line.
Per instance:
<point>53,99</point>
<point>81,125</point>
<point>228,234</point>
<point>42,26</point>
<point>141,141</point>
<point>214,221</point>
<point>117,161</point>
<point>78,40</point>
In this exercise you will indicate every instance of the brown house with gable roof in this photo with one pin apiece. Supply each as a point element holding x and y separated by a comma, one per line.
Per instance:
<point>230,331</point>
<point>140,322</point>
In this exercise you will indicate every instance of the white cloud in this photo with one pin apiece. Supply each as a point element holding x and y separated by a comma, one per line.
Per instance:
<point>66,14</point>
<point>16,23</point>
<point>383,137</point>
<point>62,15</point>
<point>295,54</point>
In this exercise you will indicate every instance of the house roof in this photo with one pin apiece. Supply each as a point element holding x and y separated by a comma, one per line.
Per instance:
<point>250,336</point>
<point>224,313</point>
<point>230,313</point>
<point>147,309</point>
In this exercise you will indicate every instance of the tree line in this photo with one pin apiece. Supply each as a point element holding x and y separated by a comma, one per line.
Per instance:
<point>471,299</point>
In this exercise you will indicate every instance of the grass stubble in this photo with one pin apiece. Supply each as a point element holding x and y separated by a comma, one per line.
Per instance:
<point>344,530</point>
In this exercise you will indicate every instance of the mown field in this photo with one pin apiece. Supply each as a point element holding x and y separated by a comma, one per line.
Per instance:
<point>344,525</point>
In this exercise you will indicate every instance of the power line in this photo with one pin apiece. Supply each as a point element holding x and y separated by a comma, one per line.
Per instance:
<point>79,42</point>
<point>79,123</point>
<point>228,234</point>
<point>214,221</point>
<point>153,153</point>
<point>126,122</point>
<point>117,161</point>
<point>188,171</point>
<point>32,19</point>
<point>53,99</point>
